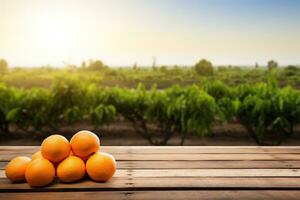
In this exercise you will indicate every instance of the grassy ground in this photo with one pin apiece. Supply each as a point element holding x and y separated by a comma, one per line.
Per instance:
<point>162,77</point>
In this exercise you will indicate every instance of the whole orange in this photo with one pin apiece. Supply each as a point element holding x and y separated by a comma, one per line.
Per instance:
<point>15,169</point>
<point>55,148</point>
<point>40,172</point>
<point>101,166</point>
<point>84,143</point>
<point>71,169</point>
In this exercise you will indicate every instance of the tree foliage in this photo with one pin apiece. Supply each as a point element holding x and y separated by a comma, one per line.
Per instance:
<point>272,64</point>
<point>269,112</point>
<point>96,65</point>
<point>204,67</point>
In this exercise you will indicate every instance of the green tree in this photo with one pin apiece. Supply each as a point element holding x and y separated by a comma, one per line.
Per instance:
<point>3,66</point>
<point>272,64</point>
<point>204,67</point>
<point>96,65</point>
<point>269,112</point>
<point>291,70</point>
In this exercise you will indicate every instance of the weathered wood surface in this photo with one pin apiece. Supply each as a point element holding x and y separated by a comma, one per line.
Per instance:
<point>176,173</point>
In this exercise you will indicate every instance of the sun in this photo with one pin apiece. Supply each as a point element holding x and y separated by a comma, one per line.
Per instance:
<point>55,34</point>
<point>66,36</point>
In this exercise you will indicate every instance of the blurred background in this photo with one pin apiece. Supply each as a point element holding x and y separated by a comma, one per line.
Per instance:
<point>149,72</point>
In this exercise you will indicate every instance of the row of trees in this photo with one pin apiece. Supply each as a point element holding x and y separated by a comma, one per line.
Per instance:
<point>205,67</point>
<point>268,112</point>
<point>92,65</point>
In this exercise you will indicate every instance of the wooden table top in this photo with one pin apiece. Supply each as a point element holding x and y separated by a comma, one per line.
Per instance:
<point>205,172</point>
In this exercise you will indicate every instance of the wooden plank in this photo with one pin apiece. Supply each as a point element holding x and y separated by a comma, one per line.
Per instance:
<point>208,164</point>
<point>202,164</point>
<point>173,149</point>
<point>181,153</point>
<point>210,173</point>
<point>163,183</point>
<point>210,149</point>
<point>146,157</point>
<point>203,173</point>
<point>182,183</point>
<point>115,183</point>
<point>164,195</point>
<point>172,157</point>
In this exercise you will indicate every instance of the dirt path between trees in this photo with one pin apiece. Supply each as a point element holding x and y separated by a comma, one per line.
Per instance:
<point>122,133</point>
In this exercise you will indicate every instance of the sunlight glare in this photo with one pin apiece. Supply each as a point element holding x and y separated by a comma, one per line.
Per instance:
<point>55,34</point>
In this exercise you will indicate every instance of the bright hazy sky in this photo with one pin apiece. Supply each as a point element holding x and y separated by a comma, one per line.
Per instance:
<point>122,32</point>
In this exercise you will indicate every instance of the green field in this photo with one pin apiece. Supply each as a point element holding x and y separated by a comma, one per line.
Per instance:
<point>161,76</point>
<point>159,102</point>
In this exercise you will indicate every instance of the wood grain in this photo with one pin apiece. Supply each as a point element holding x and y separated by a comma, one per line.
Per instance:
<point>210,173</point>
<point>236,164</point>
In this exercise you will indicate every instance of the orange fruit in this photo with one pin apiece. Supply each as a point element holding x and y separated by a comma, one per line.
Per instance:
<point>82,158</point>
<point>15,169</point>
<point>36,155</point>
<point>71,169</point>
<point>55,148</point>
<point>101,166</point>
<point>40,172</point>
<point>84,143</point>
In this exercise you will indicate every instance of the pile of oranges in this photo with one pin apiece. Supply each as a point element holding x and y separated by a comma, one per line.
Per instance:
<point>69,161</point>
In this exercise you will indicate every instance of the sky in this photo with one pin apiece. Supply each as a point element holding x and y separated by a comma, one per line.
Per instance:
<point>124,32</point>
